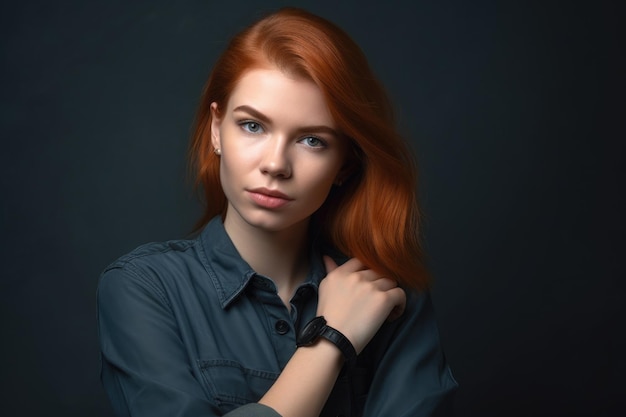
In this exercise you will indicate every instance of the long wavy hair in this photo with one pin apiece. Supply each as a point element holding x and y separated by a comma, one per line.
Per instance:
<point>374,214</point>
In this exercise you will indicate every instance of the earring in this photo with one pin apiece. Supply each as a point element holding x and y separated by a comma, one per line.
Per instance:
<point>217,151</point>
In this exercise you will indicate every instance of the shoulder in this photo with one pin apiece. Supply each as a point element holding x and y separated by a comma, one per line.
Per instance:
<point>416,322</point>
<point>152,253</point>
<point>419,313</point>
<point>153,266</point>
<point>405,354</point>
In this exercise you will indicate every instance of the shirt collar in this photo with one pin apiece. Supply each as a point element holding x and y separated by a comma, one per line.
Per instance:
<point>230,274</point>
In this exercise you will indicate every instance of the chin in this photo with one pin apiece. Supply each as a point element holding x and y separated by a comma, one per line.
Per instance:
<point>273,223</point>
<point>274,227</point>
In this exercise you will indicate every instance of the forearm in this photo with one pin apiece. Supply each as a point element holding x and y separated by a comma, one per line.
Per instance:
<point>306,382</point>
<point>355,301</point>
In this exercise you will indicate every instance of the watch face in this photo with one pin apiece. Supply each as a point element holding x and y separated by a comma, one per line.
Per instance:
<point>311,331</point>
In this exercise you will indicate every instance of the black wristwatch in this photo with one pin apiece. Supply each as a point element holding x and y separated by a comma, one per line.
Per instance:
<point>317,328</point>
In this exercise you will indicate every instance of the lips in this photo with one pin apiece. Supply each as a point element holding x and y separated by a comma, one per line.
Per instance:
<point>267,198</point>
<point>270,193</point>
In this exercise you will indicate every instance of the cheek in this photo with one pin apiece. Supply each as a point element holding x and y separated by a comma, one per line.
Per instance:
<point>230,171</point>
<point>320,186</point>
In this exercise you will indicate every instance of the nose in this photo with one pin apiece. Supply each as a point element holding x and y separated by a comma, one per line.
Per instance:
<point>276,161</point>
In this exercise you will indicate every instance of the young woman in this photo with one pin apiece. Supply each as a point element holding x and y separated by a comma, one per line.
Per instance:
<point>303,293</point>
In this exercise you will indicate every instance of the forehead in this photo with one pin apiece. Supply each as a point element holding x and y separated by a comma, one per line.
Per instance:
<point>281,97</point>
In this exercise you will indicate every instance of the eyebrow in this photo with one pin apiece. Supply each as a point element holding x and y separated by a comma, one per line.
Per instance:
<point>263,118</point>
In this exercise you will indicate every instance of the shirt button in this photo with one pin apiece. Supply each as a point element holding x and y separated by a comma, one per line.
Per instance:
<point>281,326</point>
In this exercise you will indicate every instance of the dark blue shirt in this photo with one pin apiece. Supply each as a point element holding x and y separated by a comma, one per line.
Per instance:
<point>188,329</point>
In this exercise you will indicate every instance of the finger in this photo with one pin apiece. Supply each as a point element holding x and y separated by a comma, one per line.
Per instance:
<point>395,314</point>
<point>399,299</point>
<point>352,265</point>
<point>330,264</point>
<point>385,284</point>
<point>371,275</point>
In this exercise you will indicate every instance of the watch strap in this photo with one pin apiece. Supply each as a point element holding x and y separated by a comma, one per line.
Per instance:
<point>317,328</point>
<point>342,342</point>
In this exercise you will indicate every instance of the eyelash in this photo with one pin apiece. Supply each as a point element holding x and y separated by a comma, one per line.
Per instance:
<point>321,144</point>
<point>245,126</point>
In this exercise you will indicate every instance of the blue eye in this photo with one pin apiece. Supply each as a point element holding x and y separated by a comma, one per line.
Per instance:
<point>313,142</point>
<point>251,127</point>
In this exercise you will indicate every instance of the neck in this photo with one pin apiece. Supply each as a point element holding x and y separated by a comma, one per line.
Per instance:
<point>281,256</point>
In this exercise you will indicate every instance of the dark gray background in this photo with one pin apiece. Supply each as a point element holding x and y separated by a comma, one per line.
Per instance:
<point>515,111</point>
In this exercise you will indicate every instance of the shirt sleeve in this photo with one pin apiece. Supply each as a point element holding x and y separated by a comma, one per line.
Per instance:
<point>412,378</point>
<point>145,368</point>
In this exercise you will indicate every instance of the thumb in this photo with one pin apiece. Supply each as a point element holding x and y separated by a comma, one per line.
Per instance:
<point>330,264</point>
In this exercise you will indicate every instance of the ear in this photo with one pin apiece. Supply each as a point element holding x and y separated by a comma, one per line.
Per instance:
<point>215,127</point>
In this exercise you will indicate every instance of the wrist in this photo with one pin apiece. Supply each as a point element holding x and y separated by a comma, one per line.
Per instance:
<point>317,329</point>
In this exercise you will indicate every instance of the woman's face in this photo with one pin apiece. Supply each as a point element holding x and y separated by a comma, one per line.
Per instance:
<point>280,151</point>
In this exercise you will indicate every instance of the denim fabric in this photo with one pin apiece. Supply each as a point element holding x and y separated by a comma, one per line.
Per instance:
<point>187,328</point>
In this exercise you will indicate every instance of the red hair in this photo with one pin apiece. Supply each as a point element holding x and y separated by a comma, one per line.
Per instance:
<point>374,215</point>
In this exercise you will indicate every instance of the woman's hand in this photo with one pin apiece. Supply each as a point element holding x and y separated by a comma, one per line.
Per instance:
<point>356,300</point>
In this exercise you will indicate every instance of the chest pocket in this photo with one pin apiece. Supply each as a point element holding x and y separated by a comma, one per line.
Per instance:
<point>232,385</point>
